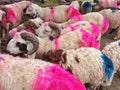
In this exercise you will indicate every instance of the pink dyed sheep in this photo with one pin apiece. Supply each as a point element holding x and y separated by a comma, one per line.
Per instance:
<point>48,29</point>
<point>59,13</point>
<point>32,74</point>
<point>14,13</point>
<point>36,47</point>
<point>93,17</point>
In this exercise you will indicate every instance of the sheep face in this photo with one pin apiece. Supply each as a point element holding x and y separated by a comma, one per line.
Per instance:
<point>48,30</point>
<point>19,45</point>
<point>32,10</point>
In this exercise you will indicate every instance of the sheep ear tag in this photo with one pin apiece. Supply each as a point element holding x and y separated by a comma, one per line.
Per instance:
<point>113,11</point>
<point>86,7</point>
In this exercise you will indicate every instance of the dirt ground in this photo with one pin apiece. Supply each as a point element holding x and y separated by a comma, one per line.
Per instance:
<point>106,39</point>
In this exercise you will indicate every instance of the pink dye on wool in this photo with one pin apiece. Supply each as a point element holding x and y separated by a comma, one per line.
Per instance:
<point>30,31</point>
<point>115,4</point>
<point>10,19</point>
<point>87,40</point>
<point>56,78</point>
<point>13,32</point>
<point>46,24</point>
<point>105,25</point>
<point>30,6</point>
<point>106,2</point>
<point>71,11</point>
<point>52,16</point>
<point>72,27</point>
<point>95,30</point>
<point>56,44</point>
<point>76,18</point>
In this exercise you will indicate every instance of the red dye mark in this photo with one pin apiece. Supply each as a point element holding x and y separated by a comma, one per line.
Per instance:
<point>71,11</point>
<point>56,78</point>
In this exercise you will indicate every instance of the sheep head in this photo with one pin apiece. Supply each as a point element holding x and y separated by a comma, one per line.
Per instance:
<point>32,10</point>
<point>48,30</point>
<point>56,56</point>
<point>21,43</point>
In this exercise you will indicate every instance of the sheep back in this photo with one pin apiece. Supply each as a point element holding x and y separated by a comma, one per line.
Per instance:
<point>29,74</point>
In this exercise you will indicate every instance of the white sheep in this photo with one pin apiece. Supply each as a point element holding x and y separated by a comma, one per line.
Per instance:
<point>35,48</point>
<point>49,28</point>
<point>93,17</point>
<point>32,74</point>
<point>59,13</point>
<point>89,64</point>
<point>113,18</point>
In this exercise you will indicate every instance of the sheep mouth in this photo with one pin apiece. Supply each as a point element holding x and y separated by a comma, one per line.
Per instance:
<point>20,54</point>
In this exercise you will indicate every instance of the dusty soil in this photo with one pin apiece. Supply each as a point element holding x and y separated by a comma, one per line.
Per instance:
<point>106,39</point>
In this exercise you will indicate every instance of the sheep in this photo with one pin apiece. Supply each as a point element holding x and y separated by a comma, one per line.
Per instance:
<point>102,4</point>
<point>113,18</point>
<point>45,30</point>
<point>35,48</point>
<point>98,5</point>
<point>94,17</point>
<point>31,25</point>
<point>34,74</point>
<point>88,64</point>
<point>57,14</point>
<point>11,15</point>
<point>15,13</point>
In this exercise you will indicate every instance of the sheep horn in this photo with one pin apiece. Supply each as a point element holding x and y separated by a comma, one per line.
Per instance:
<point>33,39</point>
<point>56,29</point>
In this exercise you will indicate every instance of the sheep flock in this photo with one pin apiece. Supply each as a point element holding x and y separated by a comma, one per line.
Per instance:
<point>71,46</point>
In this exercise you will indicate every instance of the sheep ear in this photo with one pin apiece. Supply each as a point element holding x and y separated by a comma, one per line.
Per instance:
<point>56,29</point>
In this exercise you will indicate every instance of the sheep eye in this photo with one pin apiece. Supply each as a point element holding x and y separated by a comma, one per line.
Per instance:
<point>18,44</point>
